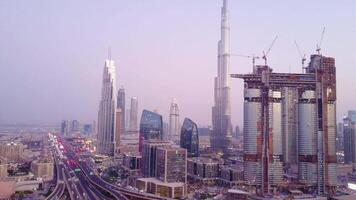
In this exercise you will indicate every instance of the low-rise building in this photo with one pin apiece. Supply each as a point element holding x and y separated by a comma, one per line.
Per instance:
<point>174,190</point>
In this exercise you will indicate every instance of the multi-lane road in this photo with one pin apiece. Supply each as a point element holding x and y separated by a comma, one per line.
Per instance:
<point>77,179</point>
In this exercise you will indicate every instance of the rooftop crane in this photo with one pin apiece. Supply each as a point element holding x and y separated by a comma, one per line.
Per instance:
<point>302,55</point>
<point>247,56</point>
<point>318,46</point>
<point>265,54</point>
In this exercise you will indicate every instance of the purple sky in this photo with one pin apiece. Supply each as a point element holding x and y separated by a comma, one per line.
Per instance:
<point>52,52</point>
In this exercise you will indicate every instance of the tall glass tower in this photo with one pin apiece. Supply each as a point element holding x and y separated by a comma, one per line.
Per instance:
<point>151,127</point>
<point>189,138</point>
<point>221,111</point>
<point>174,120</point>
<point>107,108</point>
<point>121,105</point>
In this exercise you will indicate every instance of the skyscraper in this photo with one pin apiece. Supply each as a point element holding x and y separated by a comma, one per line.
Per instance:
<point>107,108</point>
<point>133,114</point>
<point>221,111</point>
<point>174,120</point>
<point>65,128</point>
<point>151,127</point>
<point>189,138</point>
<point>349,140</point>
<point>316,125</point>
<point>121,105</point>
<point>118,128</point>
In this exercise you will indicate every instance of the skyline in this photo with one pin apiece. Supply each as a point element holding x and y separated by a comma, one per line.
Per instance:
<point>82,52</point>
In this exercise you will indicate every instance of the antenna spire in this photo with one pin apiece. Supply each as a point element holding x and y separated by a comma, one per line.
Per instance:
<point>109,52</point>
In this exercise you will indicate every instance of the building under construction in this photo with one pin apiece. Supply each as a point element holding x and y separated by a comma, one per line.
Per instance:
<point>312,98</point>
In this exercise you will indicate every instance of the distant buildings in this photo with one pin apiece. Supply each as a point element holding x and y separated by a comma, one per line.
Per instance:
<point>174,124</point>
<point>121,105</point>
<point>151,127</point>
<point>349,128</point>
<point>133,114</point>
<point>65,128</point>
<point>189,138</point>
<point>352,115</point>
<point>107,111</point>
<point>74,126</point>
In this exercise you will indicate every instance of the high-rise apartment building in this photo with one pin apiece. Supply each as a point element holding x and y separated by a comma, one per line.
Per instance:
<point>133,114</point>
<point>171,164</point>
<point>174,124</point>
<point>12,151</point>
<point>316,124</point>
<point>151,127</point>
<point>107,111</point>
<point>121,105</point>
<point>149,156</point>
<point>221,111</point>
<point>189,138</point>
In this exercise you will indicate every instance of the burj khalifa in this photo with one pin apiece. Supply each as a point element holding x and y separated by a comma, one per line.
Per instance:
<point>221,111</point>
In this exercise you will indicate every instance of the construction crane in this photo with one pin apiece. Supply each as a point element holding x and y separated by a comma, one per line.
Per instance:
<point>318,46</point>
<point>265,54</point>
<point>247,56</point>
<point>302,55</point>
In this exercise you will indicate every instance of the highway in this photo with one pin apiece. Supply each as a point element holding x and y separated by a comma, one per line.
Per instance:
<point>83,182</point>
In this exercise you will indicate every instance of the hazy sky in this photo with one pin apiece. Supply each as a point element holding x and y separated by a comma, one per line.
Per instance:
<point>52,52</point>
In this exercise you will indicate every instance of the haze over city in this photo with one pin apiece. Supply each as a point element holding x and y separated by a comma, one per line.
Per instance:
<point>52,52</point>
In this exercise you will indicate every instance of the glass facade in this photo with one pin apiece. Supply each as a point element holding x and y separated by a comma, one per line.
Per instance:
<point>151,127</point>
<point>189,138</point>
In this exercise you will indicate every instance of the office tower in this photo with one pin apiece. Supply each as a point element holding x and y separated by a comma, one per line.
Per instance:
<point>107,108</point>
<point>151,127</point>
<point>165,131</point>
<point>121,105</point>
<point>289,124</point>
<point>133,114</point>
<point>221,111</point>
<point>127,118</point>
<point>352,115</point>
<point>174,120</point>
<point>171,164</point>
<point>349,141</point>
<point>316,111</point>
<point>189,138</point>
<point>74,127</point>
<point>149,153</point>
<point>88,129</point>
<point>118,127</point>
<point>340,137</point>
<point>237,132</point>
<point>65,128</point>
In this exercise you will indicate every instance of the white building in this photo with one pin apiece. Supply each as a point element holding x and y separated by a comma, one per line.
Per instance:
<point>174,124</point>
<point>107,107</point>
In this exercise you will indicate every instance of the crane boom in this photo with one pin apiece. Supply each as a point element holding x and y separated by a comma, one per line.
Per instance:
<point>318,46</point>
<point>265,54</point>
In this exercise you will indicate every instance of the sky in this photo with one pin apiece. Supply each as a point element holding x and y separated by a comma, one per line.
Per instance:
<point>52,53</point>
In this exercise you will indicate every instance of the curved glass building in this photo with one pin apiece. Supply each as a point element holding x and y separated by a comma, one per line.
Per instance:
<point>151,127</point>
<point>189,138</point>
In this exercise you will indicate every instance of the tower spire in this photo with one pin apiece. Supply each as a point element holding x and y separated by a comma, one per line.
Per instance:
<point>109,52</point>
